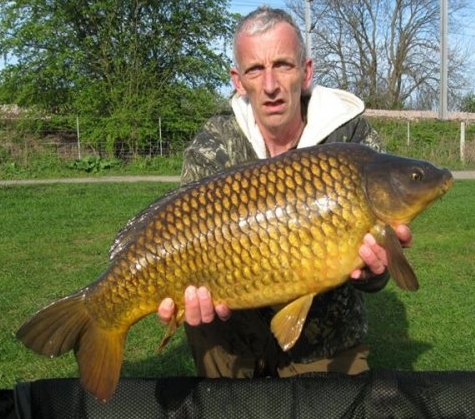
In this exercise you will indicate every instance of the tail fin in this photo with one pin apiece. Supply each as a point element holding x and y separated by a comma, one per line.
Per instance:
<point>66,324</point>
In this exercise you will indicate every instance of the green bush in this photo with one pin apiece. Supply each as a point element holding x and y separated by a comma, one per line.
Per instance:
<point>93,164</point>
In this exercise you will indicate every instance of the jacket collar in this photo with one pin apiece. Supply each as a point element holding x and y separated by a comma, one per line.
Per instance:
<point>327,110</point>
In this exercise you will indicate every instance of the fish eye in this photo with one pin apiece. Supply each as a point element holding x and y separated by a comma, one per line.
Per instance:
<point>416,176</point>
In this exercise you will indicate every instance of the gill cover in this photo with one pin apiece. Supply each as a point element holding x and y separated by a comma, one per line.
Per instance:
<point>398,189</point>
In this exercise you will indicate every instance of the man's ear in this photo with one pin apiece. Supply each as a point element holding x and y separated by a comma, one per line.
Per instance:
<point>308,74</point>
<point>236,78</point>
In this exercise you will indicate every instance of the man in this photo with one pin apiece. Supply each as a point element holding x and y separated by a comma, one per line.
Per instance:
<point>275,110</point>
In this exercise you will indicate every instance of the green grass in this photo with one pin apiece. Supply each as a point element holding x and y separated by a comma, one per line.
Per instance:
<point>433,140</point>
<point>41,165</point>
<point>432,329</point>
<point>55,238</point>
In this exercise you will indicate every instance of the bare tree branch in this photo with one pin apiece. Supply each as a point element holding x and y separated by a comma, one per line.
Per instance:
<point>385,51</point>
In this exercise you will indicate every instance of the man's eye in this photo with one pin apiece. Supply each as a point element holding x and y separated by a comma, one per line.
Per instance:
<point>283,65</point>
<point>253,71</point>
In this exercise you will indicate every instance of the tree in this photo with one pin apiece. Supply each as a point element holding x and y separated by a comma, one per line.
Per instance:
<point>385,51</point>
<point>121,63</point>
<point>468,103</point>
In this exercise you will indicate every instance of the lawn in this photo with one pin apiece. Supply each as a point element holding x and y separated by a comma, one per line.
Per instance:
<point>55,239</point>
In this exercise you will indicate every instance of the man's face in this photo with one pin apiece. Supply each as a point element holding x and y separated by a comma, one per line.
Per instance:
<point>272,76</point>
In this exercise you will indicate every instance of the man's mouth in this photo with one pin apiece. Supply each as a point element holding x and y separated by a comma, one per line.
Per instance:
<point>274,105</point>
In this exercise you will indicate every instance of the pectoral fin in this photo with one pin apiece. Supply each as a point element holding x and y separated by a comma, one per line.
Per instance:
<point>398,266</point>
<point>287,324</point>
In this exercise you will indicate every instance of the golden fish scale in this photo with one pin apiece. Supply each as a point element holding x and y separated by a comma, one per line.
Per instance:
<point>263,236</point>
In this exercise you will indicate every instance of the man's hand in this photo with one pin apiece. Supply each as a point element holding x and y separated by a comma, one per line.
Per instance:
<point>375,257</point>
<point>199,307</point>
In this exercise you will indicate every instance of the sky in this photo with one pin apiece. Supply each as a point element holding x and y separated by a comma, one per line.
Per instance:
<point>245,6</point>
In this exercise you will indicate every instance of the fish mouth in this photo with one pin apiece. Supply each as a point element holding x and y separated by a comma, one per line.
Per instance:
<point>447,182</point>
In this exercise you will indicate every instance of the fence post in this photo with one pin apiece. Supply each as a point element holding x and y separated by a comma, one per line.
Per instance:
<point>160,135</point>
<point>79,141</point>
<point>408,140</point>
<point>462,142</point>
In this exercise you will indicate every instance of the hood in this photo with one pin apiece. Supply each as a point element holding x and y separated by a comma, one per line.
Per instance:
<point>328,109</point>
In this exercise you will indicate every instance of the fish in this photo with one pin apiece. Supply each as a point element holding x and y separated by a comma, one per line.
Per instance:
<point>273,232</point>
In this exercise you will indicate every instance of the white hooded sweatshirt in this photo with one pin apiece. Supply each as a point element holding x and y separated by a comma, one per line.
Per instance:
<point>328,109</point>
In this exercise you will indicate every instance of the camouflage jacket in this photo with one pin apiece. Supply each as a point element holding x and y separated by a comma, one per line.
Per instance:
<point>337,319</point>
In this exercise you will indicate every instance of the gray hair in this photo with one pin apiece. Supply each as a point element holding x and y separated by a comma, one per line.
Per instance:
<point>263,19</point>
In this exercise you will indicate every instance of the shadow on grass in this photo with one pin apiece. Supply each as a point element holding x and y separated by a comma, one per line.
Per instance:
<point>174,361</point>
<point>390,344</point>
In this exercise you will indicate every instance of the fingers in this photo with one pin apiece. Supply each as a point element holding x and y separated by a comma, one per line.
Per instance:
<point>404,235</point>
<point>373,255</point>
<point>198,306</point>
<point>223,312</point>
<point>166,310</point>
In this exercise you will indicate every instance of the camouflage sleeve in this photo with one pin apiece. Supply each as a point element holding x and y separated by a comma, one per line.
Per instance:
<point>358,130</point>
<point>373,283</point>
<point>219,145</point>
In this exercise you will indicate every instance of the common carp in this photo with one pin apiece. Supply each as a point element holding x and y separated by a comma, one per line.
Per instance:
<point>272,232</point>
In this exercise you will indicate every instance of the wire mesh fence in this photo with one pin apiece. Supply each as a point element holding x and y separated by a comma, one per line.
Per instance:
<point>69,145</point>
<point>447,143</point>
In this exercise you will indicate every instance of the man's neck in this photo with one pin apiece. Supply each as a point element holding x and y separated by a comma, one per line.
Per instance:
<point>282,141</point>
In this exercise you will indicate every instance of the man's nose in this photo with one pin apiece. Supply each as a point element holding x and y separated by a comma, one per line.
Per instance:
<point>270,82</point>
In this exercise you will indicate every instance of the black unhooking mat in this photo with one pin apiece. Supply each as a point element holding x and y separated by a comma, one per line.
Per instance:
<point>375,394</point>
